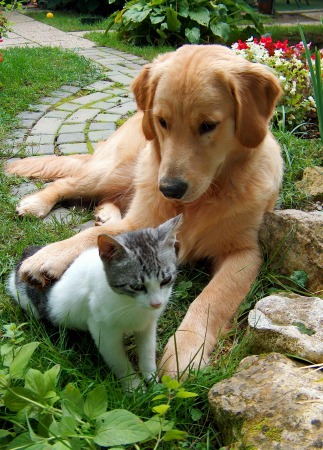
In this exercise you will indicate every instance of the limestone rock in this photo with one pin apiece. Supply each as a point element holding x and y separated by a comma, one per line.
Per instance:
<point>288,324</point>
<point>294,241</point>
<point>312,182</point>
<point>270,403</point>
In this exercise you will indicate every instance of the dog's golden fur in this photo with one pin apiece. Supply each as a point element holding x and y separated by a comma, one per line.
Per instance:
<point>202,123</point>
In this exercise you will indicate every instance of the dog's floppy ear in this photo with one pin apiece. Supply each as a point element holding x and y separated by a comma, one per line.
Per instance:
<point>144,91</point>
<point>144,87</point>
<point>256,91</point>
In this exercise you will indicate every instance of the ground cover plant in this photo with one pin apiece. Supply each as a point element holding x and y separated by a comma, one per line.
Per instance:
<point>58,368</point>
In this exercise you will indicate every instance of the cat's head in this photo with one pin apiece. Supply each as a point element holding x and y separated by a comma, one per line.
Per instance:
<point>142,264</point>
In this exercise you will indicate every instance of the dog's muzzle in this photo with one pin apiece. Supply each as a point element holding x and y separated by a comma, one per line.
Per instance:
<point>173,187</point>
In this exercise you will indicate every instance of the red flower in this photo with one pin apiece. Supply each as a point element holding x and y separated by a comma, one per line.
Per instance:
<point>242,45</point>
<point>0,57</point>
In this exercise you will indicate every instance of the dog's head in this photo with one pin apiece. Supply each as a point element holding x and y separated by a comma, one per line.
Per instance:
<point>203,106</point>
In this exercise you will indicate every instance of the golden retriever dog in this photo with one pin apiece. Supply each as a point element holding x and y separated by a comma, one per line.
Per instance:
<point>200,146</point>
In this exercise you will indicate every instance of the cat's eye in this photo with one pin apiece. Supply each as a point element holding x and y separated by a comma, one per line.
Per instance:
<point>138,287</point>
<point>166,281</point>
<point>162,123</point>
<point>206,127</point>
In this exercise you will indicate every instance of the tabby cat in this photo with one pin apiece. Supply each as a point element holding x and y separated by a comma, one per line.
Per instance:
<point>120,287</point>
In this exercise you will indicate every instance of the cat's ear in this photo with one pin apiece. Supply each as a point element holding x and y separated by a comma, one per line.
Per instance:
<point>109,247</point>
<point>167,230</point>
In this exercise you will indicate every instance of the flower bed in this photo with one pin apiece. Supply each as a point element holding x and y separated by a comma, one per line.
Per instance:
<point>297,108</point>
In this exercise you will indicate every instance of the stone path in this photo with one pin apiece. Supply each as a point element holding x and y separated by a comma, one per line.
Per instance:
<point>71,119</point>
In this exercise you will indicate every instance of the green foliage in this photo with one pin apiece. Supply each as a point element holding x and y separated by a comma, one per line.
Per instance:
<point>4,22</point>
<point>43,416</point>
<point>300,278</point>
<point>316,77</point>
<point>168,21</point>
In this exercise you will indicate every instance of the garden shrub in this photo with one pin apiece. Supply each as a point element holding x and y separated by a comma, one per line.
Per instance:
<point>160,22</point>
<point>297,108</point>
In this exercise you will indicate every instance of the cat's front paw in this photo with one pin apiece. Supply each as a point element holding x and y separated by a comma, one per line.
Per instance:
<point>184,351</point>
<point>33,205</point>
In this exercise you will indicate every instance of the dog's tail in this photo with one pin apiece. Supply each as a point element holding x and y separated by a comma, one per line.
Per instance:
<point>47,167</point>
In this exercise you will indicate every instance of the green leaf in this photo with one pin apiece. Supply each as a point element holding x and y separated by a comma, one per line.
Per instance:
<point>182,393</point>
<point>154,425</point>
<point>173,24</point>
<point>159,397</point>
<point>156,2</point>
<point>63,429</point>
<point>161,409</point>
<point>20,442</point>
<point>170,383</point>
<point>35,382</point>
<point>193,35</point>
<point>171,435</point>
<point>157,423</point>
<point>196,414</point>
<point>299,277</point>
<point>62,445</point>
<point>154,18</point>
<point>72,402</point>
<point>96,403</point>
<point>18,398</point>
<point>220,29</point>
<point>135,14</point>
<point>4,433</point>
<point>120,427</point>
<point>51,377</point>
<point>21,360</point>
<point>201,15</point>
<point>183,9</point>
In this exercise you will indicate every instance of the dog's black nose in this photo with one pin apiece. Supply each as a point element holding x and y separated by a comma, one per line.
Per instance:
<point>172,187</point>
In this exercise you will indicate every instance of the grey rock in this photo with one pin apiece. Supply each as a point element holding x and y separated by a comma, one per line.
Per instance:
<point>288,324</point>
<point>312,182</point>
<point>270,403</point>
<point>294,241</point>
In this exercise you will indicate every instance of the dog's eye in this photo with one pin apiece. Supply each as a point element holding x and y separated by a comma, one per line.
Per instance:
<point>163,123</point>
<point>206,127</point>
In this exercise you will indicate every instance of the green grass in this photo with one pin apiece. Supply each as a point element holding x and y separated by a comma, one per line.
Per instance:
<point>282,5</point>
<point>26,75</point>
<point>68,21</point>
<point>313,33</point>
<point>112,40</point>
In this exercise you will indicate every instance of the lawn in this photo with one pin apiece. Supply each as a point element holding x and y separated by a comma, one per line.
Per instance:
<point>26,75</point>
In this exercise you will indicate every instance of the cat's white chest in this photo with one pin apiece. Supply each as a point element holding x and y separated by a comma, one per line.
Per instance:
<point>120,312</point>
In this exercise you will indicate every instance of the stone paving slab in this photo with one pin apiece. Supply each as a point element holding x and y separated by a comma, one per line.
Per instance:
<point>64,122</point>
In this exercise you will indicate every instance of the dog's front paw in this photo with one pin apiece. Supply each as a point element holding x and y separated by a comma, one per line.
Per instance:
<point>46,265</point>
<point>33,205</point>
<point>184,351</point>
<point>107,212</point>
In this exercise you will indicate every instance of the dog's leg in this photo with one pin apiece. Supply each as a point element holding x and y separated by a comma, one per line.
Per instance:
<point>47,167</point>
<point>40,203</point>
<point>51,261</point>
<point>210,314</point>
<point>107,212</point>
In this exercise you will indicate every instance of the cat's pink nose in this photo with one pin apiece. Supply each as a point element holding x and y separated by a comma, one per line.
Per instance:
<point>155,305</point>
